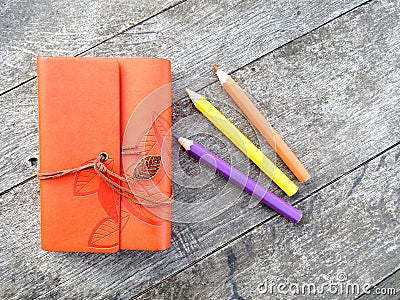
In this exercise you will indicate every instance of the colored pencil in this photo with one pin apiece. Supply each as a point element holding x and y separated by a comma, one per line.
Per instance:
<point>263,126</point>
<point>241,180</point>
<point>243,143</point>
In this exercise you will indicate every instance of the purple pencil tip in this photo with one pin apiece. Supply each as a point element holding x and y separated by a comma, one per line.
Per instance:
<point>176,136</point>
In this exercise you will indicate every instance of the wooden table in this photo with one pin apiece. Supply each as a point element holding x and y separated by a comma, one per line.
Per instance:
<point>326,75</point>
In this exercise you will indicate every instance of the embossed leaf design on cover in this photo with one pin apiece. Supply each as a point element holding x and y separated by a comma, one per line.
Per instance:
<point>147,167</point>
<point>139,212</point>
<point>86,182</point>
<point>161,127</point>
<point>124,218</point>
<point>147,142</point>
<point>106,232</point>
<point>109,200</point>
<point>150,187</point>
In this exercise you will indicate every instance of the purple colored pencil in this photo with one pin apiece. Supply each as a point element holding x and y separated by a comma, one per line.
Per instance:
<point>241,180</point>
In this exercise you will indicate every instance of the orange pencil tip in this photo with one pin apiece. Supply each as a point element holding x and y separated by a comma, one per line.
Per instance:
<point>215,68</point>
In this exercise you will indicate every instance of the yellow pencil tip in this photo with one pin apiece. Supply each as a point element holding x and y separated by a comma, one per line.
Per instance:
<point>187,90</point>
<point>215,68</point>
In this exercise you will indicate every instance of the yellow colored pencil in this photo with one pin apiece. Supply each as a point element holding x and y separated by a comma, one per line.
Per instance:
<point>263,126</point>
<point>243,143</point>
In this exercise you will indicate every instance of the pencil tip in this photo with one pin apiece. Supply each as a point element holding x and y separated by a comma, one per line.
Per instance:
<point>215,68</point>
<point>193,96</point>
<point>176,136</point>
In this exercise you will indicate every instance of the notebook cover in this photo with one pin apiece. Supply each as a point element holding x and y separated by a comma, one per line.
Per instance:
<point>78,118</point>
<point>146,122</point>
<point>90,105</point>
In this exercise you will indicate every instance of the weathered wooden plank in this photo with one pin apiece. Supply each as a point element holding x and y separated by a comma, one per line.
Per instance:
<point>18,135</point>
<point>192,35</point>
<point>338,233</point>
<point>232,33</point>
<point>46,28</point>
<point>304,77</point>
<point>349,237</point>
<point>387,289</point>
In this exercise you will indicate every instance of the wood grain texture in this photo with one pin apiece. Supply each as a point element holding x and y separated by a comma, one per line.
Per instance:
<point>47,28</point>
<point>192,35</point>
<point>232,33</point>
<point>387,289</point>
<point>338,114</point>
<point>349,236</point>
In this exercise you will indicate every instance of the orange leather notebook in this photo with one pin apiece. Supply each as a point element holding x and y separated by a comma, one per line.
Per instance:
<point>93,105</point>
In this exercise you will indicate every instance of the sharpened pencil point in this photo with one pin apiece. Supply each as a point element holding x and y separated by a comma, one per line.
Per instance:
<point>176,136</point>
<point>215,68</point>
<point>194,96</point>
<point>186,143</point>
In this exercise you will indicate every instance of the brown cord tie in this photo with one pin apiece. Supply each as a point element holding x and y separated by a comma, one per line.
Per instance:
<point>100,168</point>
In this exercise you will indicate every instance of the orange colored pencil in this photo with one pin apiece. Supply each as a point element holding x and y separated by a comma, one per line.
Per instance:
<point>263,126</point>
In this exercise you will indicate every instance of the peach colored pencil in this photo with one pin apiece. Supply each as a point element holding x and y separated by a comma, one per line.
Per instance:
<point>263,126</point>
